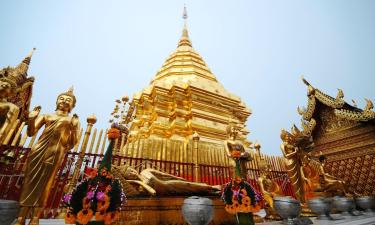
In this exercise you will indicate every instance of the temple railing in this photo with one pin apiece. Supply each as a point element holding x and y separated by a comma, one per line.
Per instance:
<point>12,170</point>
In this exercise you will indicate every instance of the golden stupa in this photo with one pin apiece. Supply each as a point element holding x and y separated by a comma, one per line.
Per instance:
<point>183,100</point>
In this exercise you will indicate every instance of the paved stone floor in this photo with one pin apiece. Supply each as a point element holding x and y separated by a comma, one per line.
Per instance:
<point>349,220</point>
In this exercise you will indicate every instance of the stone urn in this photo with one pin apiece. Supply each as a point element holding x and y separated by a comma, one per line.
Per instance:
<point>288,208</point>
<point>321,206</point>
<point>198,210</point>
<point>343,205</point>
<point>8,211</point>
<point>365,203</point>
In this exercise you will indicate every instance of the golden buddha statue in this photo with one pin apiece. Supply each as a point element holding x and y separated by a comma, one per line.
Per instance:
<point>268,187</point>
<point>331,184</point>
<point>58,137</point>
<point>156,183</point>
<point>235,150</point>
<point>8,111</point>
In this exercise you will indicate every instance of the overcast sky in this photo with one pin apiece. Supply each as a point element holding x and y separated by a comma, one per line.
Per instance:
<point>257,49</point>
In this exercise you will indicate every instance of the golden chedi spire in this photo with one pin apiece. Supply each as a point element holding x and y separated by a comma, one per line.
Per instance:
<point>185,97</point>
<point>184,63</point>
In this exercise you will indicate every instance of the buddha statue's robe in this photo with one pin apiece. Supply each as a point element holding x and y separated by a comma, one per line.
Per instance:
<point>46,157</point>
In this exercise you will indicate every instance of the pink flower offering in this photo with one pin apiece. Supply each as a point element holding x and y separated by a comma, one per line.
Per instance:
<point>67,198</point>
<point>100,196</point>
<point>90,195</point>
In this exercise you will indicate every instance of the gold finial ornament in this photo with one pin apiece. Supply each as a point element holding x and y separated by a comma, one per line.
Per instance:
<point>27,59</point>
<point>125,98</point>
<point>91,119</point>
<point>184,14</point>
<point>185,41</point>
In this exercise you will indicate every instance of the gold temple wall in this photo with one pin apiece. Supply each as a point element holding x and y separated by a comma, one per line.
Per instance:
<point>350,150</point>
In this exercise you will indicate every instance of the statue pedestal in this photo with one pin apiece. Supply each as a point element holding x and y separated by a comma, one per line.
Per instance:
<point>166,210</point>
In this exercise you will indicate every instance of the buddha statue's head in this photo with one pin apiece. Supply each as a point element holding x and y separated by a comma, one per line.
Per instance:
<point>7,87</point>
<point>232,131</point>
<point>66,101</point>
<point>130,173</point>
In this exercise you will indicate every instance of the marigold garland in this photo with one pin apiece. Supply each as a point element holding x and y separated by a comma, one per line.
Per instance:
<point>70,218</point>
<point>113,133</point>
<point>84,216</point>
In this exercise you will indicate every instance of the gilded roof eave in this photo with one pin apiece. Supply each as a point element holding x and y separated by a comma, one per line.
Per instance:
<point>338,104</point>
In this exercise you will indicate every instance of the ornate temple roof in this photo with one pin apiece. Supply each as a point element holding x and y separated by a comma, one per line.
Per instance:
<point>19,75</point>
<point>341,108</point>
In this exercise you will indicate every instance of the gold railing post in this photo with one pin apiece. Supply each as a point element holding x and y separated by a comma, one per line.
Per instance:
<point>91,120</point>
<point>122,150</point>
<point>195,153</point>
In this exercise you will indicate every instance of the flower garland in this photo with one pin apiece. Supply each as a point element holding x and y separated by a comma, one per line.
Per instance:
<point>99,197</point>
<point>240,197</point>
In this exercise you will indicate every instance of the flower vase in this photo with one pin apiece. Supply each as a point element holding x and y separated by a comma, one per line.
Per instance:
<point>245,218</point>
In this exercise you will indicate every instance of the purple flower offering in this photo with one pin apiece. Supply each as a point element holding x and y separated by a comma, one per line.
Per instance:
<point>100,196</point>
<point>90,195</point>
<point>67,198</point>
<point>258,196</point>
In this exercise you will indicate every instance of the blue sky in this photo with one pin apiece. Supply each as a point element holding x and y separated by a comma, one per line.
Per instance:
<point>257,49</point>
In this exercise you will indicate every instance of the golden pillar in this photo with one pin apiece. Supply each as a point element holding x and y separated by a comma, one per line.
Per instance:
<point>195,154</point>
<point>91,120</point>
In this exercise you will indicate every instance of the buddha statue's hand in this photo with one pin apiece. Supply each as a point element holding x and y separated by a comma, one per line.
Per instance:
<point>75,121</point>
<point>35,113</point>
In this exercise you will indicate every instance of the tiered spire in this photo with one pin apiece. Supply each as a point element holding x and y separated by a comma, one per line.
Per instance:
<point>184,62</point>
<point>23,67</point>
<point>185,41</point>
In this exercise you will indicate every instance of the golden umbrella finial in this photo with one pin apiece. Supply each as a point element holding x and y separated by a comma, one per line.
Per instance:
<point>28,57</point>
<point>185,41</point>
<point>184,14</point>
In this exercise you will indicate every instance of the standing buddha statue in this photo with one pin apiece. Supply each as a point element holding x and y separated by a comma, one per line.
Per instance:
<point>239,197</point>
<point>58,137</point>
